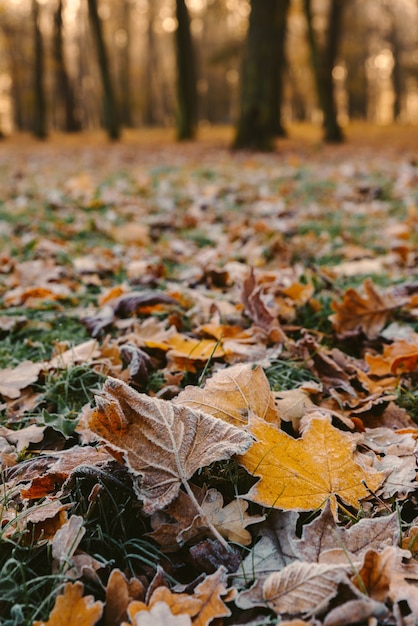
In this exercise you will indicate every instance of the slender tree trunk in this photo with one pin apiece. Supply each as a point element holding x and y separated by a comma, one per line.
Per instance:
<point>39,122</point>
<point>63,84</point>
<point>186,75</point>
<point>277,76</point>
<point>258,119</point>
<point>125,67</point>
<point>323,62</point>
<point>111,118</point>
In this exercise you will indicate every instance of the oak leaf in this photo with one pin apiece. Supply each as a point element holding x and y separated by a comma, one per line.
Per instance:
<point>162,444</point>
<point>230,520</point>
<point>179,604</point>
<point>210,592</point>
<point>232,394</point>
<point>368,313</point>
<point>120,592</point>
<point>303,474</point>
<point>14,379</point>
<point>73,609</point>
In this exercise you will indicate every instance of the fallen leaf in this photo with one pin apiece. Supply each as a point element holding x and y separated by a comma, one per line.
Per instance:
<point>368,313</point>
<point>303,474</point>
<point>258,311</point>
<point>323,535</point>
<point>22,438</point>
<point>302,588</point>
<point>120,592</point>
<point>230,520</point>
<point>65,543</point>
<point>355,611</point>
<point>159,613</point>
<point>210,592</point>
<point>233,394</point>
<point>162,444</point>
<point>178,604</point>
<point>73,609</point>
<point>13,380</point>
<point>374,577</point>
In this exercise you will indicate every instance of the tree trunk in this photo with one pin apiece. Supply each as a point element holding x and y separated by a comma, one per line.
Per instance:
<point>109,102</point>
<point>277,76</point>
<point>63,84</point>
<point>39,122</point>
<point>186,75</point>
<point>323,62</point>
<point>258,119</point>
<point>125,67</point>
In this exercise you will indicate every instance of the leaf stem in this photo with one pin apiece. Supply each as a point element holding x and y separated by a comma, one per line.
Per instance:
<point>209,524</point>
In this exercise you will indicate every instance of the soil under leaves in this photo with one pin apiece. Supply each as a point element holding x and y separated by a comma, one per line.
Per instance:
<point>208,381</point>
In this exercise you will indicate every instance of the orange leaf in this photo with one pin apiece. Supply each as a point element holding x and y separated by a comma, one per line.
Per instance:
<point>72,609</point>
<point>367,313</point>
<point>302,474</point>
<point>209,592</point>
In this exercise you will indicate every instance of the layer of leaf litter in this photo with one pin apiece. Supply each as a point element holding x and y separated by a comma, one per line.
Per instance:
<point>260,298</point>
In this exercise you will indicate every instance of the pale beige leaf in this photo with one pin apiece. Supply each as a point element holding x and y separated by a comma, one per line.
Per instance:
<point>158,615</point>
<point>66,542</point>
<point>163,444</point>
<point>302,588</point>
<point>14,379</point>
<point>232,394</point>
<point>230,520</point>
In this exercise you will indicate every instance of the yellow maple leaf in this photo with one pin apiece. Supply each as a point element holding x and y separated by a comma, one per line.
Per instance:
<point>302,474</point>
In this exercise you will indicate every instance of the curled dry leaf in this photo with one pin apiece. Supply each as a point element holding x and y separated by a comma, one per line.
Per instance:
<point>259,312</point>
<point>14,379</point>
<point>303,474</point>
<point>233,394</point>
<point>73,609</point>
<point>368,313</point>
<point>159,613</point>
<point>162,444</point>
<point>66,542</point>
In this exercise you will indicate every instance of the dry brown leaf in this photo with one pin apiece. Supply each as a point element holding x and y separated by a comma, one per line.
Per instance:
<point>163,444</point>
<point>233,394</point>
<point>73,609</point>
<point>376,573</point>
<point>368,313</point>
<point>120,592</point>
<point>259,312</point>
<point>303,474</point>
<point>14,379</point>
<point>355,611</point>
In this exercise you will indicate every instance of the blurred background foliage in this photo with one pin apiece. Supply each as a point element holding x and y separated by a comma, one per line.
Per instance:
<point>260,65</point>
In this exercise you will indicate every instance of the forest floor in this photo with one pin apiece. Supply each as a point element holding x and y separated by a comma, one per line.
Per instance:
<point>208,380</point>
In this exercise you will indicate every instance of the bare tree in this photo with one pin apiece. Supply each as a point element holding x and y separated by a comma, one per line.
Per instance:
<point>186,75</point>
<point>258,121</point>
<point>39,122</point>
<point>323,61</point>
<point>111,117</point>
<point>64,87</point>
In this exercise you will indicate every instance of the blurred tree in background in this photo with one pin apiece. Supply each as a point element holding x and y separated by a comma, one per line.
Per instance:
<point>67,65</point>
